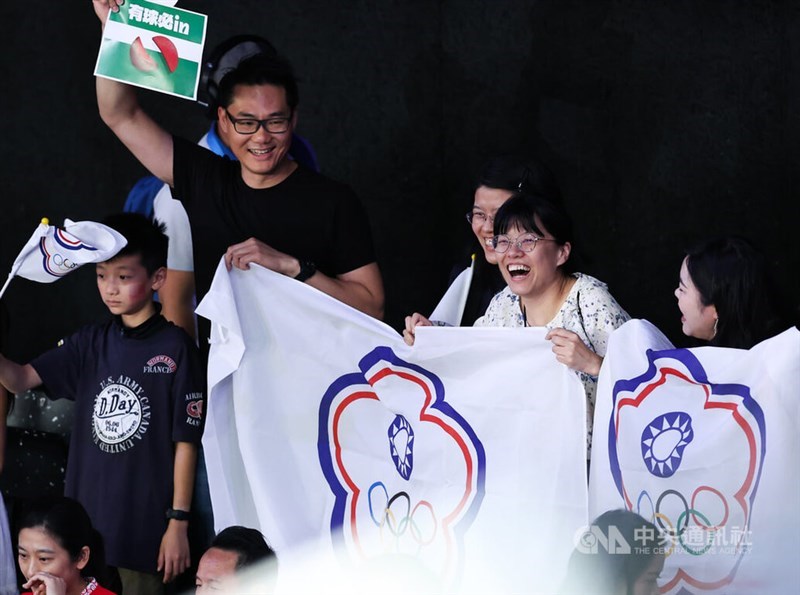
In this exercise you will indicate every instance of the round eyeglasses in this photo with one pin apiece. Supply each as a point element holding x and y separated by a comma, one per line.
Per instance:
<point>525,242</point>
<point>479,218</point>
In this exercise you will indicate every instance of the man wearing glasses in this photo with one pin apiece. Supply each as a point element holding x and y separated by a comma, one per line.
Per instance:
<point>263,209</point>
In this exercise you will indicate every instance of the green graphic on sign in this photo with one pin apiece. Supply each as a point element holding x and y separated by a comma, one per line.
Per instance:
<point>116,62</point>
<point>153,46</point>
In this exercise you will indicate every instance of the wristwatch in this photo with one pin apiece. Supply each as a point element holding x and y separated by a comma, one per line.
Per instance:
<point>307,270</point>
<point>178,515</point>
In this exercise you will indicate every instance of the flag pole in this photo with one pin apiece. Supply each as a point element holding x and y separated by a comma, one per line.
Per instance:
<point>18,263</point>
<point>10,276</point>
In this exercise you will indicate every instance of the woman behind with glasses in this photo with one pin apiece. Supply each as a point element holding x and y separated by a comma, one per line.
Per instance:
<point>498,180</point>
<point>533,243</point>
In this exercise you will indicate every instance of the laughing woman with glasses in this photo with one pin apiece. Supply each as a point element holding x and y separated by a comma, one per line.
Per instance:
<point>497,181</point>
<point>532,242</point>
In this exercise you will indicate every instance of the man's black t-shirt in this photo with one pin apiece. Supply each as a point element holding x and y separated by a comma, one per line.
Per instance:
<point>307,216</point>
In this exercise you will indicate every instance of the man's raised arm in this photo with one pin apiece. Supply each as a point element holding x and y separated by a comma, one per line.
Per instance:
<point>120,110</point>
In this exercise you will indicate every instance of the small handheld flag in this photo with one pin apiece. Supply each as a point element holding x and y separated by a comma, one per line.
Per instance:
<point>451,307</point>
<point>52,252</point>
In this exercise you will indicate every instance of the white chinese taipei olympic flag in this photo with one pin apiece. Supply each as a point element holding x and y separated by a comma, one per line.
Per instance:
<point>705,443</point>
<point>52,252</point>
<point>464,453</point>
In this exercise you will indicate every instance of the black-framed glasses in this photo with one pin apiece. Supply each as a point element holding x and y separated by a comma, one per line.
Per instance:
<point>479,218</point>
<point>251,125</point>
<point>525,242</point>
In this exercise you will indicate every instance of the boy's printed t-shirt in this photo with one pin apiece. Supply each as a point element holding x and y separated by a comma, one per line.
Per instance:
<point>136,392</point>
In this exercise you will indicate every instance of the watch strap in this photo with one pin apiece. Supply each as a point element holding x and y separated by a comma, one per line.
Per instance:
<point>178,515</point>
<point>307,270</point>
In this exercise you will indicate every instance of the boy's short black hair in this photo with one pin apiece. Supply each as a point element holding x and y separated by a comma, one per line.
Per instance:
<point>249,545</point>
<point>146,238</point>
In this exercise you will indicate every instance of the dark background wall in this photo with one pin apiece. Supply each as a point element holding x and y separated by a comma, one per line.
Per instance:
<point>665,121</point>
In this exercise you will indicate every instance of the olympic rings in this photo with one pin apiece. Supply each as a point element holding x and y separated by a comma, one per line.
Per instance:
<point>63,262</point>
<point>677,533</point>
<point>399,524</point>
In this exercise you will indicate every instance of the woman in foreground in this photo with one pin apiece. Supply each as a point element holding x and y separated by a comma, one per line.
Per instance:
<point>633,565</point>
<point>60,552</point>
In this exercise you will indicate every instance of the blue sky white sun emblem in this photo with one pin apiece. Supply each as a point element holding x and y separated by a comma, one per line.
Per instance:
<point>401,446</point>
<point>663,442</point>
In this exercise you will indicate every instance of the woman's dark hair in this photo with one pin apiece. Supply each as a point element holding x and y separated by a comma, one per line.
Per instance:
<point>67,522</point>
<point>731,275</point>
<point>614,552</point>
<point>521,210</point>
<point>519,173</point>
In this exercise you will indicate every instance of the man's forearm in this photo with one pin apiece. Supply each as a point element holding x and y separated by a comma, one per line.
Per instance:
<point>177,300</point>
<point>352,293</point>
<point>361,289</point>
<point>116,102</point>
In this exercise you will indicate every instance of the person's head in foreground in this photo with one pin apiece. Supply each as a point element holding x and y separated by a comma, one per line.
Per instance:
<point>59,551</point>
<point>725,294</point>
<point>620,554</point>
<point>232,550</point>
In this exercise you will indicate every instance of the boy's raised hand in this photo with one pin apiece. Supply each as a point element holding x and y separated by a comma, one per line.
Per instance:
<point>173,555</point>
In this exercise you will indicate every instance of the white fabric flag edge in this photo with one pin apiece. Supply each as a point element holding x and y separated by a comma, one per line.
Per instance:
<point>450,308</point>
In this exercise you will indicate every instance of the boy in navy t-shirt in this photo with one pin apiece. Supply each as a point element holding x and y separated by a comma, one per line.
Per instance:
<point>138,387</point>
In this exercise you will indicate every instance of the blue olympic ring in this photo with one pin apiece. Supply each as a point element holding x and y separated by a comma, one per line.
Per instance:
<point>639,505</point>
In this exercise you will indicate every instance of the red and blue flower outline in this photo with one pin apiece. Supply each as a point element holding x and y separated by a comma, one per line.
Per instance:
<point>655,376</point>
<point>435,410</point>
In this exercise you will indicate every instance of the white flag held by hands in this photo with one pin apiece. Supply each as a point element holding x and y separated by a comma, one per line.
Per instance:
<point>52,252</point>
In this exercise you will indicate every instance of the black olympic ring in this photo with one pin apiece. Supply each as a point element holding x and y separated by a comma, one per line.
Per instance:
<point>672,531</point>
